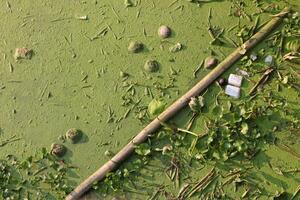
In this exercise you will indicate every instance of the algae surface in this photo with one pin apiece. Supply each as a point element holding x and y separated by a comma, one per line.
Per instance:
<point>73,80</point>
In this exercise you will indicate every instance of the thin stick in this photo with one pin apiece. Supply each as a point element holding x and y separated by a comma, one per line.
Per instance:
<point>174,108</point>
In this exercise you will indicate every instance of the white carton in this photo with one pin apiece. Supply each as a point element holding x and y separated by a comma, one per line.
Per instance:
<point>235,80</point>
<point>233,91</point>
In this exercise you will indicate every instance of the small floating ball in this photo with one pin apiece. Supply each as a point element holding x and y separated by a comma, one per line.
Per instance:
<point>164,31</point>
<point>74,135</point>
<point>222,81</point>
<point>151,66</point>
<point>135,47</point>
<point>58,150</point>
<point>210,62</point>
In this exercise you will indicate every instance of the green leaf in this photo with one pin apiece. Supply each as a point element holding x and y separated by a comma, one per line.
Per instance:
<point>245,128</point>
<point>155,107</point>
<point>143,149</point>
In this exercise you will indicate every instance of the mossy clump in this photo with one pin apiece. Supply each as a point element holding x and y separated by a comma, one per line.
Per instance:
<point>23,53</point>
<point>74,135</point>
<point>151,66</point>
<point>58,150</point>
<point>164,32</point>
<point>135,47</point>
<point>210,62</point>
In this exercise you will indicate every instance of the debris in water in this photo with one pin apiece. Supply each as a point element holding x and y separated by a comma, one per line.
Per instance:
<point>164,31</point>
<point>123,74</point>
<point>196,104</point>
<point>210,62</point>
<point>9,140</point>
<point>269,60</point>
<point>155,107</point>
<point>175,48</point>
<point>58,150</point>
<point>243,73</point>
<point>128,3</point>
<point>253,57</point>
<point>23,53</point>
<point>222,81</point>
<point>135,47</point>
<point>235,80</point>
<point>84,17</point>
<point>233,91</point>
<point>74,135</point>
<point>151,66</point>
<point>108,153</point>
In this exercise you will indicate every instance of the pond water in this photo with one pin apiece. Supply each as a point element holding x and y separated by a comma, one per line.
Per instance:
<point>73,81</point>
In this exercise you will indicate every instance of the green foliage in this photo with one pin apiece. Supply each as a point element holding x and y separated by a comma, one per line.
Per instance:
<point>35,177</point>
<point>155,107</point>
<point>143,149</point>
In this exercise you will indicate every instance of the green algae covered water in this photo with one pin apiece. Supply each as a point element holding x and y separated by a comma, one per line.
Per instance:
<point>82,76</point>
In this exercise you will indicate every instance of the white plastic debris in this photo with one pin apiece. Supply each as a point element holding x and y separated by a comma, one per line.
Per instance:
<point>233,91</point>
<point>242,73</point>
<point>269,60</point>
<point>253,57</point>
<point>235,80</point>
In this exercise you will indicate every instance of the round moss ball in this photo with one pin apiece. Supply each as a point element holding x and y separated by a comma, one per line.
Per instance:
<point>58,150</point>
<point>151,66</point>
<point>210,62</point>
<point>164,31</point>
<point>74,135</point>
<point>135,47</point>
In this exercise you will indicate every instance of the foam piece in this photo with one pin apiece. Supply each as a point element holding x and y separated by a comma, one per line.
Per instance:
<point>235,80</point>
<point>233,91</point>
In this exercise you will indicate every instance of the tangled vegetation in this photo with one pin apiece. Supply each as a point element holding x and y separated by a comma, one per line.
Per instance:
<point>37,177</point>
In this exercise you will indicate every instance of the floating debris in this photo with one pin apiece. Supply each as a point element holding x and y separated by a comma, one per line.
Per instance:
<point>269,60</point>
<point>74,135</point>
<point>123,74</point>
<point>196,104</point>
<point>175,48</point>
<point>83,17</point>
<point>253,57</point>
<point>58,150</point>
<point>135,47</point>
<point>235,80</point>
<point>155,107</point>
<point>242,73</point>
<point>198,68</point>
<point>23,53</point>
<point>151,66</point>
<point>233,91</point>
<point>9,140</point>
<point>108,153</point>
<point>264,78</point>
<point>210,62</point>
<point>128,3</point>
<point>164,32</point>
<point>222,81</point>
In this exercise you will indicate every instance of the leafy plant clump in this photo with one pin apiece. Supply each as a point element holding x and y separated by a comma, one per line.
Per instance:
<point>235,132</point>
<point>39,177</point>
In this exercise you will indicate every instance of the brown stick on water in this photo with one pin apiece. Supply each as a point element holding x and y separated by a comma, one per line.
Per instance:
<point>175,107</point>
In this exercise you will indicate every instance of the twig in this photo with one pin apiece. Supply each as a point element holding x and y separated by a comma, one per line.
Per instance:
<point>262,80</point>
<point>9,140</point>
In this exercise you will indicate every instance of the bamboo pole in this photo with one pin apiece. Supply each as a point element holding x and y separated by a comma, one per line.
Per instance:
<point>175,107</point>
